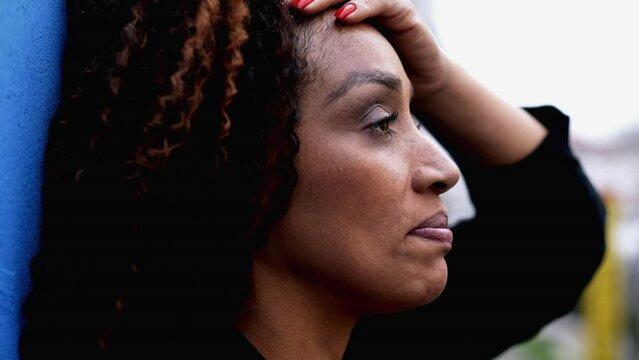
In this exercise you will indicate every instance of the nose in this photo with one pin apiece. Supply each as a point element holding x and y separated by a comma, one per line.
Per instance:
<point>436,172</point>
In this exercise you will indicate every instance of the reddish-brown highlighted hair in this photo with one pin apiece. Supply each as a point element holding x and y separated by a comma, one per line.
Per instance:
<point>168,160</point>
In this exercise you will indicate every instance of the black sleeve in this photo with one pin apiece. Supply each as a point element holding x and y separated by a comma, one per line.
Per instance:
<point>534,244</point>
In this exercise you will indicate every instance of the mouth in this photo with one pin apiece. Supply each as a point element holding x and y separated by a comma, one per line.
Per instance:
<point>434,228</point>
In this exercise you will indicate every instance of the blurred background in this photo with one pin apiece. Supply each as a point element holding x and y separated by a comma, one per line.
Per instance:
<point>583,58</point>
<point>31,38</point>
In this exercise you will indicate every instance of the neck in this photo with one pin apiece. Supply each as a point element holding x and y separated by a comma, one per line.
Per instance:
<point>289,319</point>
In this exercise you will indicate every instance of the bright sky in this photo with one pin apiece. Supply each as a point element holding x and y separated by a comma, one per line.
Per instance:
<point>581,56</point>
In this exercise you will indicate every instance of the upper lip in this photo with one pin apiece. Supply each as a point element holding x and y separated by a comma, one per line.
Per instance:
<point>439,220</point>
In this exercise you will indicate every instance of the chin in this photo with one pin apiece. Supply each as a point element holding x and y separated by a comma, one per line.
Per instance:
<point>418,294</point>
<point>429,293</point>
<point>433,293</point>
<point>435,287</point>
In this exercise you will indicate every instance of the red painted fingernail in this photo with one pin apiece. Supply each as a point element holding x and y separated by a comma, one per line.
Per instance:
<point>300,4</point>
<point>345,10</point>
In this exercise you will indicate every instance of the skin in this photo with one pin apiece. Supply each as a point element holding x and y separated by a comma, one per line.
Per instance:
<point>344,250</point>
<point>458,107</point>
<point>361,189</point>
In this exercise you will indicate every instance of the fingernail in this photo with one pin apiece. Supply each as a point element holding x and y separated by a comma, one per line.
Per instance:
<point>345,10</point>
<point>300,4</point>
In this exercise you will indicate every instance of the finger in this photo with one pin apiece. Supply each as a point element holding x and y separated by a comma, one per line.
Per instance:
<point>397,16</point>
<point>358,10</point>
<point>312,7</point>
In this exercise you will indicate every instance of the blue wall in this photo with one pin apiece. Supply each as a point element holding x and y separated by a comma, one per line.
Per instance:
<point>31,40</point>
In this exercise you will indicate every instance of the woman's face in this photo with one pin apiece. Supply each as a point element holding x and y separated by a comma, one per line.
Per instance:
<point>363,185</point>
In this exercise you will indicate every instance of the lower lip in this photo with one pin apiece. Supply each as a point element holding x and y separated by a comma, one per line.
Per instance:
<point>441,235</point>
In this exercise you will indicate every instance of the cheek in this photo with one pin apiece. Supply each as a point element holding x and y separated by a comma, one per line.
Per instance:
<point>343,205</point>
<point>345,230</point>
<point>350,189</point>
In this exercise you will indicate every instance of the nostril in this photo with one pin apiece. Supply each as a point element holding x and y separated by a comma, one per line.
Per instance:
<point>440,186</point>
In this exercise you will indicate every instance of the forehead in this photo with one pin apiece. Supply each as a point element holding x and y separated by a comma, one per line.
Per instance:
<point>334,52</point>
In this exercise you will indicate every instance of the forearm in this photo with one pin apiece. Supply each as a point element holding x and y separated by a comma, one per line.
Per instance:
<point>477,122</point>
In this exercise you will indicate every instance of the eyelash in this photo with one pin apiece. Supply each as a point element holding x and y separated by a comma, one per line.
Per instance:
<point>378,126</point>
<point>418,124</point>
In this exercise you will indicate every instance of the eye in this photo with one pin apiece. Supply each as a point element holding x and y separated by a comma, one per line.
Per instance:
<point>382,126</point>
<point>418,123</point>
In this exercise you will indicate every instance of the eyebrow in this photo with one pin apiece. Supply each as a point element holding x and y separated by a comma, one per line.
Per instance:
<point>357,78</point>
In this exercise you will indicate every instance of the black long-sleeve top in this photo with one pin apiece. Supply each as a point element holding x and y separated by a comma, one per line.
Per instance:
<point>522,261</point>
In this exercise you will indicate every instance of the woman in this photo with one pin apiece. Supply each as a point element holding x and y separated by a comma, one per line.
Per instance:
<point>234,179</point>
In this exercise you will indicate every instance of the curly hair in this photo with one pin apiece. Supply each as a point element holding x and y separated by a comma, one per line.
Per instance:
<point>170,157</point>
